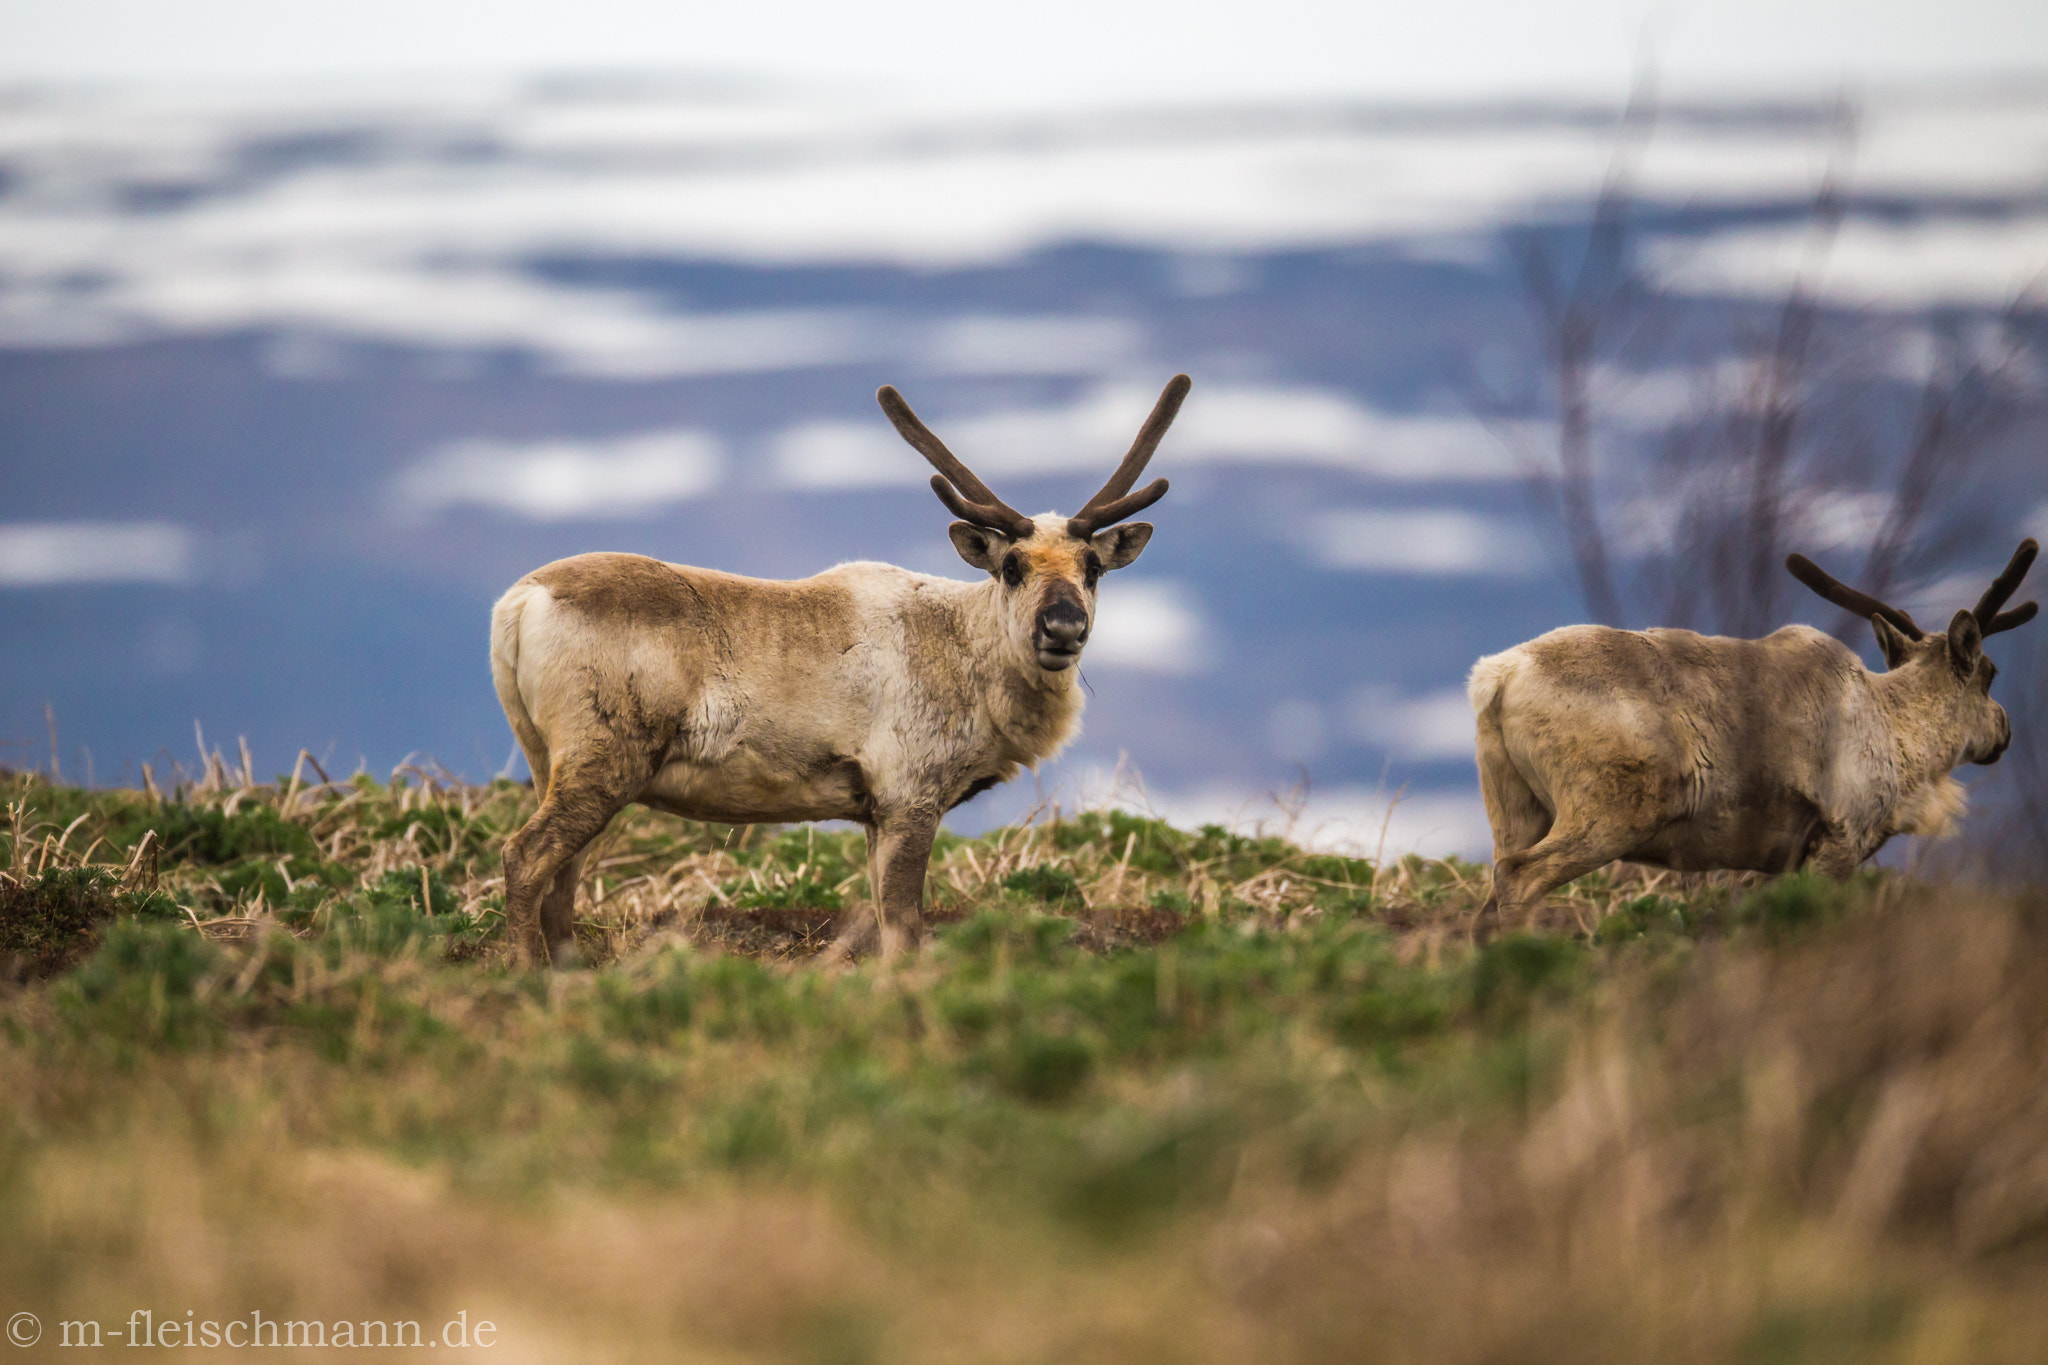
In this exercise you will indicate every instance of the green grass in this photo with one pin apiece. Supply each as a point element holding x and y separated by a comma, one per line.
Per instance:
<point>1146,1093</point>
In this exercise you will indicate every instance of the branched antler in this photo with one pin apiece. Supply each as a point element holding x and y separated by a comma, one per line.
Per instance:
<point>1846,597</point>
<point>1990,620</point>
<point>1115,501</point>
<point>964,494</point>
<point>971,500</point>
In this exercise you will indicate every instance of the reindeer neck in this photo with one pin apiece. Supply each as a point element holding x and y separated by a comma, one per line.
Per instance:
<point>1034,711</point>
<point>1914,705</point>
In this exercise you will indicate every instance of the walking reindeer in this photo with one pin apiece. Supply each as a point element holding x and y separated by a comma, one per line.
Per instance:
<point>866,693</point>
<point>1699,752</point>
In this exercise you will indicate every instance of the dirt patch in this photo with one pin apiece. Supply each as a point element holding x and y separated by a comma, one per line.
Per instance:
<point>777,933</point>
<point>1127,926</point>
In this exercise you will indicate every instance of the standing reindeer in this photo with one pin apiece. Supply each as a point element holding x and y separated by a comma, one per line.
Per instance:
<point>866,693</point>
<point>1701,752</point>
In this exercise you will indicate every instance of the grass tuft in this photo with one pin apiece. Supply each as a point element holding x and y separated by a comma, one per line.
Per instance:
<point>52,919</point>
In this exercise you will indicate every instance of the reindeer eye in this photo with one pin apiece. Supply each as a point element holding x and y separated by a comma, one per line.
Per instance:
<point>1013,569</point>
<point>1093,570</point>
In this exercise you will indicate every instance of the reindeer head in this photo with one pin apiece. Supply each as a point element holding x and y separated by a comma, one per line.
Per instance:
<point>1952,667</point>
<point>1047,566</point>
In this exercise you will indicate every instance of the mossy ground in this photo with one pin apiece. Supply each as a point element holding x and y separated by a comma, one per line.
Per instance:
<point>1147,1094</point>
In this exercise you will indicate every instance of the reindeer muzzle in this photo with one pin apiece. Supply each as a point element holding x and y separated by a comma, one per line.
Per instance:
<point>1061,630</point>
<point>2004,741</point>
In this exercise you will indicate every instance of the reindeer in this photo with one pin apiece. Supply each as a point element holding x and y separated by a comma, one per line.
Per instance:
<point>1701,752</point>
<point>866,693</point>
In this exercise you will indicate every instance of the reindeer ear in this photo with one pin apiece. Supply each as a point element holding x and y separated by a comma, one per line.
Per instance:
<point>1965,641</point>
<point>1891,640</point>
<point>1119,545</point>
<point>978,545</point>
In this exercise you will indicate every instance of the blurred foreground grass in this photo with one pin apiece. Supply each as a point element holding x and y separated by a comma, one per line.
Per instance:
<point>1148,1095</point>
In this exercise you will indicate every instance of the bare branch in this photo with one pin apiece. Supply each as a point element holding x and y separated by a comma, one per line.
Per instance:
<point>1574,322</point>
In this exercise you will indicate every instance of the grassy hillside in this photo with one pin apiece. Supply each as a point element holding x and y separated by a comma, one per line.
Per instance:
<point>1149,1095</point>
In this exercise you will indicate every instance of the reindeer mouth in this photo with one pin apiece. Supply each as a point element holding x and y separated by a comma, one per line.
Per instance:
<point>1054,657</point>
<point>1991,752</point>
<point>1061,632</point>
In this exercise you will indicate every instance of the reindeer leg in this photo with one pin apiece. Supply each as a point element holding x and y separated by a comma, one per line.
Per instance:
<point>579,804</point>
<point>1571,849</point>
<point>904,854</point>
<point>1834,856</point>
<point>1486,925</point>
<point>558,912</point>
<point>860,927</point>
<point>899,852</point>
<point>1518,816</point>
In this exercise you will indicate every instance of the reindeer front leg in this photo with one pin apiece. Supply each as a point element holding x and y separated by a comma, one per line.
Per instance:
<point>1835,855</point>
<point>899,853</point>
<point>904,855</point>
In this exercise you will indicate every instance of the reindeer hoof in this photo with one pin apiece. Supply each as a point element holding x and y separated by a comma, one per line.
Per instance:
<point>900,942</point>
<point>859,938</point>
<point>863,939</point>
<point>1486,925</point>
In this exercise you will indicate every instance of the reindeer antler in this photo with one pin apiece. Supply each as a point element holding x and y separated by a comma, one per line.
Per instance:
<point>1990,620</point>
<point>966,496</point>
<point>1111,505</point>
<point>1842,595</point>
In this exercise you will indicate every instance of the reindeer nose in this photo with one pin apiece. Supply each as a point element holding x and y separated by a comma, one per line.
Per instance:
<point>2004,737</point>
<point>1063,626</point>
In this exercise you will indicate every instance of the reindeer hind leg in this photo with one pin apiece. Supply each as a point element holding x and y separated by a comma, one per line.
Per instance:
<point>580,803</point>
<point>558,911</point>
<point>1518,817</point>
<point>1572,848</point>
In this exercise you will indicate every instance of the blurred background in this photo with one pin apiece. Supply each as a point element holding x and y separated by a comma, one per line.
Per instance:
<point>321,323</point>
